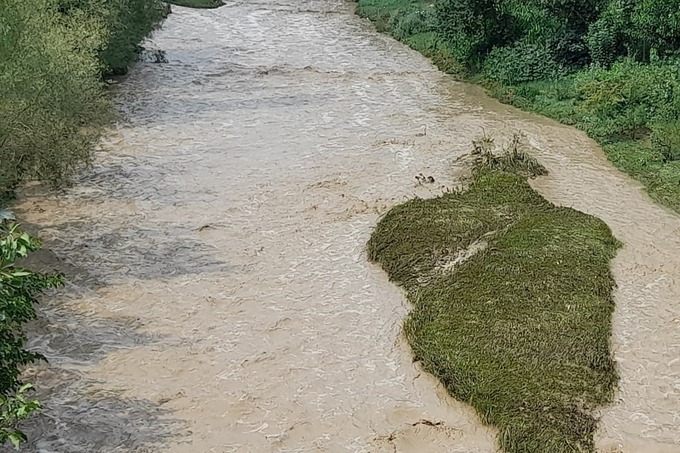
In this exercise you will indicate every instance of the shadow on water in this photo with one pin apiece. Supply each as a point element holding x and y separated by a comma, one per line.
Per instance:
<point>141,254</point>
<point>79,416</point>
<point>103,236</point>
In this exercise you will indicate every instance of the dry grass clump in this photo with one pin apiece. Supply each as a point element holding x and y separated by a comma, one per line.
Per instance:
<point>513,158</point>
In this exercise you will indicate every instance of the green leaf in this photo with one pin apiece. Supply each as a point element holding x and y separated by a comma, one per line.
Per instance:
<point>20,274</point>
<point>16,438</point>
<point>25,388</point>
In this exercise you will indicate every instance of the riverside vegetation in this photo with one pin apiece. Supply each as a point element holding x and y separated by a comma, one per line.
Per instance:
<point>54,58</point>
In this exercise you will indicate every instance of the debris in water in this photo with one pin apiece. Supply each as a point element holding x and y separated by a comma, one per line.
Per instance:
<point>422,179</point>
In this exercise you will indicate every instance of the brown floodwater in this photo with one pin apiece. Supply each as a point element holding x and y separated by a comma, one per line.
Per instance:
<point>219,297</point>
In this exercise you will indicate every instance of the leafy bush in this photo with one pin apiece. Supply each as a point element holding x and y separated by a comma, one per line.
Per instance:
<point>472,28</point>
<point>49,90</point>
<point>636,29</point>
<point>568,48</point>
<point>604,41</point>
<point>382,12</point>
<point>18,288</point>
<point>665,140</point>
<point>125,23</point>
<point>13,409</point>
<point>629,97</point>
<point>571,32</point>
<point>657,26</point>
<point>413,22</point>
<point>521,62</point>
<point>131,21</point>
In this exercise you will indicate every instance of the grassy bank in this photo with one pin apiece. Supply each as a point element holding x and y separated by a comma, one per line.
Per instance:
<point>414,23</point>
<point>631,109</point>
<point>630,105</point>
<point>511,305</point>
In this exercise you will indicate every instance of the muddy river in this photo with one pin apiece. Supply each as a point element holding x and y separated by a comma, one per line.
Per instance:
<point>219,299</point>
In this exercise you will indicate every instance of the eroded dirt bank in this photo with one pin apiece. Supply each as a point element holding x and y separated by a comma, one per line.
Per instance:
<point>220,299</point>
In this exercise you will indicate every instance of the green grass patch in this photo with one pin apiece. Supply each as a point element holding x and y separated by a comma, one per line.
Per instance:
<point>520,329</point>
<point>201,4</point>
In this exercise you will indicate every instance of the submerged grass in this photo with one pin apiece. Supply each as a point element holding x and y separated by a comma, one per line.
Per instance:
<point>520,329</point>
<point>513,159</point>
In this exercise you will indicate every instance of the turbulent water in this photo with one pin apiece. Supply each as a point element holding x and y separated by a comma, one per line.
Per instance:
<point>219,297</point>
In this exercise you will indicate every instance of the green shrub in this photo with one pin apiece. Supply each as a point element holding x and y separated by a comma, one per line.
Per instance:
<point>629,97</point>
<point>50,94</point>
<point>521,62</point>
<point>604,41</point>
<point>472,28</point>
<point>381,12</point>
<point>657,26</point>
<point>18,288</point>
<point>51,99</point>
<point>665,140</point>
<point>14,409</point>
<point>404,24</point>
<point>131,21</point>
<point>125,23</point>
<point>568,49</point>
<point>636,29</point>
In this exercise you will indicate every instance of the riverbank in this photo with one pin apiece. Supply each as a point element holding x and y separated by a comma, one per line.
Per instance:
<point>53,101</point>
<point>53,108</point>
<point>631,109</point>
